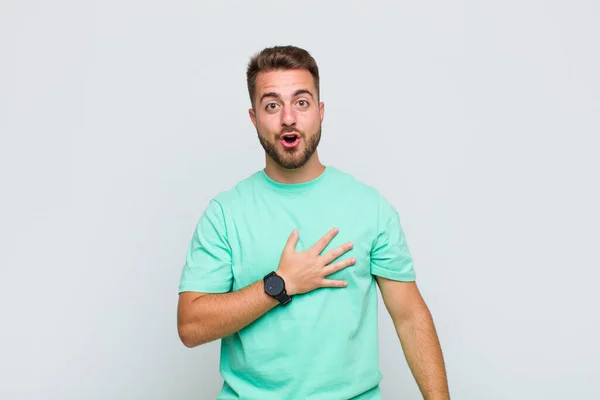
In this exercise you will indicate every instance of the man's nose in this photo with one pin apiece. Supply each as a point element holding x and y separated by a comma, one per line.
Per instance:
<point>288,117</point>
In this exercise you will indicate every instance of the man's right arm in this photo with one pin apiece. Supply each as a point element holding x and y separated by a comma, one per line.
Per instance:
<point>204,317</point>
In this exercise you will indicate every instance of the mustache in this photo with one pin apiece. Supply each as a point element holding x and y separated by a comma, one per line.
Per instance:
<point>291,130</point>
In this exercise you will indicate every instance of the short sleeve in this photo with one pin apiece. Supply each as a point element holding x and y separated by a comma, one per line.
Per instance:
<point>208,262</point>
<point>390,256</point>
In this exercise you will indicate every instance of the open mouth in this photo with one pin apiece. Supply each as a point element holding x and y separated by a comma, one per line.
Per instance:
<point>290,139</point>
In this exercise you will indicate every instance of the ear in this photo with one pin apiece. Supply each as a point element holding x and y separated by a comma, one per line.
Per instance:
<point>322,110</point>
<point>252,116</point>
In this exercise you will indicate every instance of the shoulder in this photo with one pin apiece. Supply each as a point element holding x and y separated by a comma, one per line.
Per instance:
<point>366,194</point>
<point>235,194</point>
<point>358,187</point>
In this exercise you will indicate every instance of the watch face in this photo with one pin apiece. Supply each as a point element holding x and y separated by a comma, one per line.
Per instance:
<point>274,285</point>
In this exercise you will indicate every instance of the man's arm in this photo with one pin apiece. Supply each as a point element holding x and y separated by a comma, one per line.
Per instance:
<point>203,317</point>
<point>418,337</point>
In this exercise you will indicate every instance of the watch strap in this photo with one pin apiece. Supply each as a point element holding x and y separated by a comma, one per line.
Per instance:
<point>283,298</point>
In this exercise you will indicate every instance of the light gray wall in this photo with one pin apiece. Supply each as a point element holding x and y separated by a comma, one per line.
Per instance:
<point>479,120</point>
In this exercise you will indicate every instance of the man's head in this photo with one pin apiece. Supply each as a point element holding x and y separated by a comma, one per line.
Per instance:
<point>283,83</point>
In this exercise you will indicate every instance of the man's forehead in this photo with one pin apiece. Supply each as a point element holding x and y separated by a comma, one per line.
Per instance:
<point>284,80</point>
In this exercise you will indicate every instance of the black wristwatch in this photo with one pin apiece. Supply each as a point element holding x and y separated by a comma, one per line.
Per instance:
<point>275,287</point>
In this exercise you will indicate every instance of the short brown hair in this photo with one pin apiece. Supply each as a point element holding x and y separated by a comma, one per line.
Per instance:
<point>280,58</point>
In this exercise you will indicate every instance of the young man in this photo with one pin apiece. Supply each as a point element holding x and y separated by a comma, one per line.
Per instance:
<point>284,266</point>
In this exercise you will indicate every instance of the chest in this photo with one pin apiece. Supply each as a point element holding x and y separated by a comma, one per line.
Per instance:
<point>258,235</point>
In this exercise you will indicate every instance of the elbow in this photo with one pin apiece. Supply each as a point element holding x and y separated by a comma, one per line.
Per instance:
<point>191,324</point>
<point>190,344</point>
<point>189,338</point>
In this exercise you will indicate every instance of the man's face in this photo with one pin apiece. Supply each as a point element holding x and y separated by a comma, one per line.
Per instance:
<point>287,116</point>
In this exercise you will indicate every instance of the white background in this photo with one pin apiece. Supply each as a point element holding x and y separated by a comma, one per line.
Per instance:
<point>119,120</point>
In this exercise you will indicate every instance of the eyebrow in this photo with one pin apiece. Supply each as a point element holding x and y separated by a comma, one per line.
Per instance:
<point>278,96</point>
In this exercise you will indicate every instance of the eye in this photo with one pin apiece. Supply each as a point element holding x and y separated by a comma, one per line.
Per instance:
<point>271,106</point>
<point>303,103</point>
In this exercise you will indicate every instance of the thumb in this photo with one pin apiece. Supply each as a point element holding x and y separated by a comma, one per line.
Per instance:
<point>292,241</point>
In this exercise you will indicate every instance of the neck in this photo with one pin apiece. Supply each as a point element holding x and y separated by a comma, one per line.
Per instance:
<point>309,171</point>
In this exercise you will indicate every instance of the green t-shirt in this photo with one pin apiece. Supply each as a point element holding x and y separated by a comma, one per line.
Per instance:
<point>324,344</point>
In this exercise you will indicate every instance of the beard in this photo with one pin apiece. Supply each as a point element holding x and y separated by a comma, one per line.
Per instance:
<point>291,158</point>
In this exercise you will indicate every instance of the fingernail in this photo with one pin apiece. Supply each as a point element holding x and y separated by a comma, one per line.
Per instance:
<point>350,245</point>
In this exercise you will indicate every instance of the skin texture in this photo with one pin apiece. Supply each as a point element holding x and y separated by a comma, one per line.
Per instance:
<point>287,101</point>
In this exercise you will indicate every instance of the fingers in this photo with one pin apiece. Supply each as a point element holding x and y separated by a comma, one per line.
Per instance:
<point>338,266</point>
<point>333,283</point>
<point>324,241</point>
<point>335,253</point>
<point>335,267</point>
<point>292,241</point>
